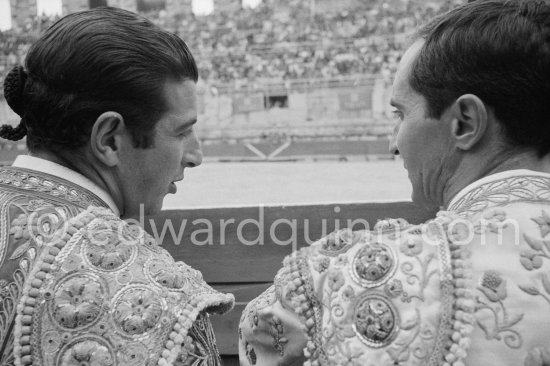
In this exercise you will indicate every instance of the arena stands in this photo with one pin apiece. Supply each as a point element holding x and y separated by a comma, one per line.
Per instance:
<point>15,43</point>
<point>274,41</point>
<point>283,67</point>
<point>277,40</point>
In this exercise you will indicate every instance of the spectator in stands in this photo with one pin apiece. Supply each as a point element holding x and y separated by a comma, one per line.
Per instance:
<point>108,102</point>
<point>472,286</point>
<point>276,40</point>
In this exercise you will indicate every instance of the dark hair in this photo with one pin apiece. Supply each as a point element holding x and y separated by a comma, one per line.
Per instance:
<point>90,62</point>
<point>498,51</point>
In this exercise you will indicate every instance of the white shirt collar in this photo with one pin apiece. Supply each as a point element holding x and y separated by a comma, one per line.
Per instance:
<point>491,178</point>
<point>49,167</point>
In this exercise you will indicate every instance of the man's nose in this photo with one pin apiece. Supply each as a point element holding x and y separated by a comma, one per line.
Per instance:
<point>195,159</point>
<point>193,155</point>
<point>393,141</point>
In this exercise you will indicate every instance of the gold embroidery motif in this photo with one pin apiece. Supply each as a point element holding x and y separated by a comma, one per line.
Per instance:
<point>373,265</point>
<point>112,313</point>
<point>376,320</point>
<point>493,287</point>
<point>525,188</point>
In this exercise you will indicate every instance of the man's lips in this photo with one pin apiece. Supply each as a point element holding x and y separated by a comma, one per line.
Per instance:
<point>172,188</point>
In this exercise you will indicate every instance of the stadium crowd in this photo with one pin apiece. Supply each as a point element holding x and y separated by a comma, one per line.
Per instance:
<point>277,40</point>
<point>15,43</point>
<point>287,40</point>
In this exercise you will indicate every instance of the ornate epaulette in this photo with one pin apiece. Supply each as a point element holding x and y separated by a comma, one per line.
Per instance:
<point>105,293</point>
<point>349,289</point>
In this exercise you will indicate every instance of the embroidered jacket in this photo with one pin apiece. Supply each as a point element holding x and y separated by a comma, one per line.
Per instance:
<point>79,285</point>
<point>471,287</point>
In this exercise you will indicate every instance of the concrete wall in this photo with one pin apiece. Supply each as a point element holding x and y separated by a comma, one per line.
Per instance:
<point>309,109</point>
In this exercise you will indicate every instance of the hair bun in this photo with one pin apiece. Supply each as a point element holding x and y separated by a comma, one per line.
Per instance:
<point>13,133</point>
<point>13,89</point>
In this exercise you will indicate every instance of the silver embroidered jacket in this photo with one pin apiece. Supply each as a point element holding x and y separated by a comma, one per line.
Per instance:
<point>471,287</point>
<point>80,286</point>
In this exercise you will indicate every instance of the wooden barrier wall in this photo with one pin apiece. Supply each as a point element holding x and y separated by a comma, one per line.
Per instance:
<point>239,250</point>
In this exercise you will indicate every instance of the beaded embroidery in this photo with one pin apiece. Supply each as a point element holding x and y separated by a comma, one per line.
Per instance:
<point>33,206</point>
<point>525,188</point>
<point>375,320</point>
<point>49,185</point>
<point>338,242</point>
<point>88,323</point>
<point>373,265</point>
<point>500,325</point>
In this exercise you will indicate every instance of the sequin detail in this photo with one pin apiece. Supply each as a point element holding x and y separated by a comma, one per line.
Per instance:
<point>373,265</point>
<point>375,320</point>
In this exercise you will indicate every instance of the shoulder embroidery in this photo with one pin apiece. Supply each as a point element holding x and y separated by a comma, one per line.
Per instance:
<point>419,272</point>
<point>339,242</point>
<point>35,222</point>
<point>99,309</point>
<point>543,221</point>
<point>376,320</point>
<point>417,342</point>
<point>542,290</point>
<point>277,332</point>
<point>538,356</point>
<point>527,188</point>
<point>500,327</point>
<point>54,187</point>
<point>532,258</point>
<point>458,305</point>
<point>373,265</point>
<point>200,345</point>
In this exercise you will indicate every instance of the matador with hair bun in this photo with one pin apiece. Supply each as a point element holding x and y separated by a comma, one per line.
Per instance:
<point>107,102</point>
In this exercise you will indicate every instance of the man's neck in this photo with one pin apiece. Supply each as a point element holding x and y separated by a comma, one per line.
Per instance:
<point>475,168</point>
<point>61,160</point>
<point>80,164</point>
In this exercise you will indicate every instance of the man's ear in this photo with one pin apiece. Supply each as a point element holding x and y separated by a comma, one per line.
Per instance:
<point>106,137</point>
<point>469,121</point>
